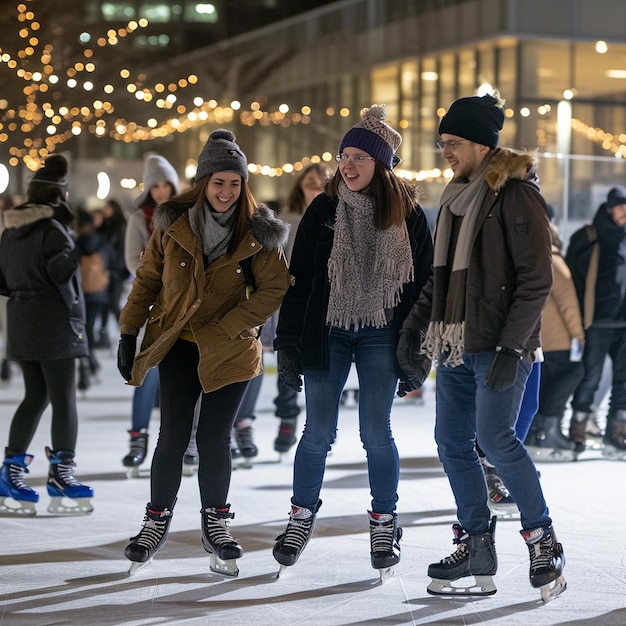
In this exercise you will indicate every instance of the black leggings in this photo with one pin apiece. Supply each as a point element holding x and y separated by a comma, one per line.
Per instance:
<point>46,382</point>
<point>179,391</point>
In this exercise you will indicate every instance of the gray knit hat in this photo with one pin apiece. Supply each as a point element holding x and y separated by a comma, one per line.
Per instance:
<point>479,119</point>
<point>221,154</point>
<point>374,136</point>
<point>156,168</point>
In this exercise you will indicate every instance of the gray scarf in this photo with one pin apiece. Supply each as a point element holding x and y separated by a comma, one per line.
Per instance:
<point>445,338</point>
<point>367,267</point>
<point>212,228</point>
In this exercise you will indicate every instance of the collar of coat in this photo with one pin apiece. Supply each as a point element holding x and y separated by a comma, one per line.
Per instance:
<point>267,229</point>
<point>26,214</point>
<point>507,164</point>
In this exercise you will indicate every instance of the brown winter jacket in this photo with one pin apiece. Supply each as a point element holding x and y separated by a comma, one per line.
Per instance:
<point>173,290</point>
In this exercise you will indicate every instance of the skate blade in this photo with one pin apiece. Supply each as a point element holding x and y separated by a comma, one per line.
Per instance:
<point>553,590</point>
<point>132,472</point>
<point>190,470</point>
<point>136,566</point>
<point>281,570</point>
<point>483,586</point>
<point>550,455</point>
<point>24,508</point>
<point>385,574</point>
<point>612,453</point>
<point>504,511</point>
<point>219,566</point>
<point>82,506</point>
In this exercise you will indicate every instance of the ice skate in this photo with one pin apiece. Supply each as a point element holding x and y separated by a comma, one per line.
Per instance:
<point>62,486</point>
<point>577,428</point>
<point>150,540</point>
<point>385,535</point>
<point>550,445</point>
<point>615,437</point>
<point>218,542</point>
<point>474,557</point>
<point>13,487</point>
<point>499,499</point>
<point>244,436</point>
<point>546,562</point>
<point>137,453</point>
<point>237,459</point>
<point>286,438</point>
<point>290,544</point>
<point>190,464</point>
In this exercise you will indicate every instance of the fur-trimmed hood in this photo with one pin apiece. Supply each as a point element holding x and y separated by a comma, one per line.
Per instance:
<point>26,214</point>
<point>269,231</point>
<point>507,164</point>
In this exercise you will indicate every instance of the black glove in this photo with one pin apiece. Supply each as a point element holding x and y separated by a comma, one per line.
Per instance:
<point>414,365</point>
<point>290,367</point>
<point>126,355</point>
<point>503,369</point>
<point>403,388</point>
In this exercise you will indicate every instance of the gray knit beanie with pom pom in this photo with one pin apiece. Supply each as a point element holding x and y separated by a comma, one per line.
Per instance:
<point>221,154</point>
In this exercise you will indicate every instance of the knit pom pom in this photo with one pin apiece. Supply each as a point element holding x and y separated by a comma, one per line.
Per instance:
<point>55,167</point>
<point>222,133</point>
<point>376,111</point>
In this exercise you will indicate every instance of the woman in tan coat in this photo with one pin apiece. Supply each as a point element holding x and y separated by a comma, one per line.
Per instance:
<point>211,275</point>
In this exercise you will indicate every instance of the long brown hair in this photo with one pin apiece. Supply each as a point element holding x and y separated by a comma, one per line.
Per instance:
<point>296,202</point>
<point>394,198</point>
<point>246,204</point>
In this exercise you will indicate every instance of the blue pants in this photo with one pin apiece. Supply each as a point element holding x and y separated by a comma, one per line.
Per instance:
<point>467,409</point>
<point>144,399</point>
<point>374,353</point>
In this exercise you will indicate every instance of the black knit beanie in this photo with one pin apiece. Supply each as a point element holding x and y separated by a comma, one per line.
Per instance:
<point>616,196</point>
<point>221,154</point>
<point>479,119</point>
<point>53,172</point>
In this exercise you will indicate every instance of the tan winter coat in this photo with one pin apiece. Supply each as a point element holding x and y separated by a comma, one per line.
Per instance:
<point>173,291</point>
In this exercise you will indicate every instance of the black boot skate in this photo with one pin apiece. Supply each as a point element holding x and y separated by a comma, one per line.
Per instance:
<point>62,485</point>
<point>577,427</point>
<point>244,436</point>
<point>499,499</point>
<point>286,438</point>
<point>546,562</point>
<point>150,540</point>
<point>291,543</point>
<point>218,541</point>
<point>12,486</point>
<point>550,444</point>
<point>475,556</point>
<point>615,436</point>
<point>137,453</point>
<point>385,535</point>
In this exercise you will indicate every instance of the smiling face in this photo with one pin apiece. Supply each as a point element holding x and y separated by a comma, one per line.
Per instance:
<point>223,190</point>
<point>357,174</point>
<point>464,156</point>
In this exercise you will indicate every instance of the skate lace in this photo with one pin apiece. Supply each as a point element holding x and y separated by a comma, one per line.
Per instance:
<point>218,531</point>
<point>460,554</point>
<point>244,437</point>
<point>381,536</point>
<point>541,553</point>
<point>151,533</point>
<point>296,533</point>
<point>65,472</point>
<point>137,446</point>
<point>16,476</point>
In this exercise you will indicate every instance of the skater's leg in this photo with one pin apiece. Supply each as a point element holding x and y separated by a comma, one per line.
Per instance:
<point>244,433</point>
<point>530,402</point>
<point>144,400</point>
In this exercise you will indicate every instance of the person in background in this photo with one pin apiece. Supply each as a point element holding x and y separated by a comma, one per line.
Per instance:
<point>160,183</point>
<point>212,273</point>
<point>39,272</point>
<point>113,229</point>
<point>479,318</point>
<point>596,256</point>
<point>362,252</point>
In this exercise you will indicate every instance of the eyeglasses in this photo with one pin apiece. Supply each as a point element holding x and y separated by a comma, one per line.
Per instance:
<point>357,159</point>
<point>442,145</point>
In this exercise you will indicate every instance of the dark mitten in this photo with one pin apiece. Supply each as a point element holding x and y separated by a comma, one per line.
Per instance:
<point>414,365</point>
<point>290,367</point>
<point>503,369</point>
<point>126,355</point>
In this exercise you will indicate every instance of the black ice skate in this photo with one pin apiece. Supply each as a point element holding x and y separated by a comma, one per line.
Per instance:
<point>499,499</point>
<point>475,556</point>
<point>549,444</point>
<point>244,436</point>
<point>150,540</point>
<point>63,487</point>
<point>385,535</point>
<point>291,543</point>
<point>137,453</point>
<point>13,487</point>
<point>546,562</point>
<point>286,438</point>
<point>615,436</point>
<point>218,541</point>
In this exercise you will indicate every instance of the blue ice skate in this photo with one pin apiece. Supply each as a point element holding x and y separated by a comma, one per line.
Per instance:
<point>12,486</point>
<point>62,484</point>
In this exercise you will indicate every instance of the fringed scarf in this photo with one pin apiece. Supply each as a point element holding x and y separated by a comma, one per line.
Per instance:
<point>367,267</point>
<point>212,228</point>
<point>445,338</point>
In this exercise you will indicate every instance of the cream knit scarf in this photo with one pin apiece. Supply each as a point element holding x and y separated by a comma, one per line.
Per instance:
<point>445,338</point>
<point>367,267</point>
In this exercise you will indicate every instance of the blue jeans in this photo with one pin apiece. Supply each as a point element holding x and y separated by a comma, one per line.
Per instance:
<point>465,410</point>
<point>144,399</point>
<point>374,353</point>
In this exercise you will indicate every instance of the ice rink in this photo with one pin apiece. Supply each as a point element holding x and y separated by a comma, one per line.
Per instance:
<point>71,570</point>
